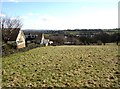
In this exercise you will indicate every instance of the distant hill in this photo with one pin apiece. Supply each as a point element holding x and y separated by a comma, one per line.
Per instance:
<point>74,31</point>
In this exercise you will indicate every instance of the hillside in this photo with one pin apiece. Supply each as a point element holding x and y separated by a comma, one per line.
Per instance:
<point>62,66</point>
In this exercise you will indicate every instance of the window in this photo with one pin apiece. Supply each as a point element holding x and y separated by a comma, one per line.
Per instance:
<point>20,41</point>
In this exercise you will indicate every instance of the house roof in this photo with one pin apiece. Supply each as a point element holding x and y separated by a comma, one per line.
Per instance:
<point>10,34</point>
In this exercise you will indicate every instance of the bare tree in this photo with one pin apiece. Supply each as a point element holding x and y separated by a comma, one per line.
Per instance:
<point>11,23</point>
<point>8,25</point>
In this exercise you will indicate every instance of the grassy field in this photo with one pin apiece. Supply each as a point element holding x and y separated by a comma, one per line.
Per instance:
<point>62,66</point>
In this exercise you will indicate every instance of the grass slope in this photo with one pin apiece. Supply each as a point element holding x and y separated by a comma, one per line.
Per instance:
<point>61,66</point>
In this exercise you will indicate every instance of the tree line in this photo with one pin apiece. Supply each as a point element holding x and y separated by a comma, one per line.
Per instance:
<point>99,38</point>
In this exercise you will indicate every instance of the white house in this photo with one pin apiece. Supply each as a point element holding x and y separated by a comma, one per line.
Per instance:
<point>44,41</point>
<point>20,41</point>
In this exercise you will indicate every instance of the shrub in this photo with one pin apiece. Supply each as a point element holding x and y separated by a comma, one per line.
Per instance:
<point>12,45</point>
<point>33,45</point>
<point>29,46</point>
<point>8,49</point>
<point>99,42</point>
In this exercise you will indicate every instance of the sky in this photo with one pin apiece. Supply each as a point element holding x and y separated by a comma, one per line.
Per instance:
<point>63,14</point>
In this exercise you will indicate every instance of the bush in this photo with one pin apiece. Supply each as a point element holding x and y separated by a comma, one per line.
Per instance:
<point>12,45</point>
<point>8,49</point>
<point>77,42</point>
<point>29,46</point>
<point>99,42</point>
<point>33,45</point>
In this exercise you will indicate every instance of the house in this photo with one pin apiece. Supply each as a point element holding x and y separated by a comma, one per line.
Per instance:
<point>33,37</point>
<point>10,35</point>
<point>20,41</point>
<point>37,37</point>
<point>44,41</point>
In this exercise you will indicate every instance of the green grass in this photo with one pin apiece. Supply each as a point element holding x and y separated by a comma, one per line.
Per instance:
<point>62,66</point>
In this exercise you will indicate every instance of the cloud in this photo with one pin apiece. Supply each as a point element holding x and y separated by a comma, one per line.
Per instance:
<point>33,14</point>
<point>99,18</point>
<point>24,17</point>
<point>16,1</point>
<point>86,18</point>
<point>2,15</point>
<point>63,0</point>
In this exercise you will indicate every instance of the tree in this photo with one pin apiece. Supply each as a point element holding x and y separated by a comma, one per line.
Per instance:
<point>58,40</point>
<point>85,40</point>
<point>104,37</point>
<point>115,38</point>
<point>11,23</point>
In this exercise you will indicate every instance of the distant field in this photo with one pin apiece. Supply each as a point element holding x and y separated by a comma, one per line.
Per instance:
<point>63,66</point>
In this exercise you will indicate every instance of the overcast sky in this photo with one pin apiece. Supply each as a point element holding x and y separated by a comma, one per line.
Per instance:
<point>77,14</point>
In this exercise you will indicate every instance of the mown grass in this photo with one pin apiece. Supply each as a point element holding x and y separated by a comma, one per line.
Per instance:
<point>62,66</point>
